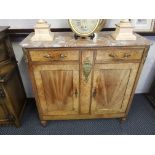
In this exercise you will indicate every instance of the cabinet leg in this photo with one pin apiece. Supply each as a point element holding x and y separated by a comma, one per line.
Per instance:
<point>17,124</point>
<point>123,119</point>
<point>14,119</point>
<point>43,123</point>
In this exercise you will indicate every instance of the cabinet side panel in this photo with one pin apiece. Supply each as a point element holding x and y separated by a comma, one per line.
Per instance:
<point>16,92</point>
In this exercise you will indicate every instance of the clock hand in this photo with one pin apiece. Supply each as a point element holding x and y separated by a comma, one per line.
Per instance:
<point>83,24</point>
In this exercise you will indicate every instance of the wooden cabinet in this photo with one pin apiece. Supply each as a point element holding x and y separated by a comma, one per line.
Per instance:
<point>84,79</point>
<point>12,94</point>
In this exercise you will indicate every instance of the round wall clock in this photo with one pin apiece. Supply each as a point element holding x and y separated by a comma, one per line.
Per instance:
<point>85,27</point>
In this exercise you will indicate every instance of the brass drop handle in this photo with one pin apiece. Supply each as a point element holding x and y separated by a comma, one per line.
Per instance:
<point>113,55</point>
<point>55,57</point>
<point>62,56</point>
<point>125,56</point>
<point>47,56</point>
<point>94,92</point>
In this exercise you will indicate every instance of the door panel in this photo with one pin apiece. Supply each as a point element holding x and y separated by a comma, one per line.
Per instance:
<point>57,88</point>
<point>112,87</point>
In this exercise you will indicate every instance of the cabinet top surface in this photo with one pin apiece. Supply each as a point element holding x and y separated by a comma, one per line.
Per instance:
<point>66,39</point>
<point>3,28</point>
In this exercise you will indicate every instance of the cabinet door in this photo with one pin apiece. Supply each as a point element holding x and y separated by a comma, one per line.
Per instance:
<point>112,87</point>
<point>57,88</point>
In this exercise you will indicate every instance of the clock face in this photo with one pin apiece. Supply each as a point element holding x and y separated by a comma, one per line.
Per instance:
<point>84,27</point>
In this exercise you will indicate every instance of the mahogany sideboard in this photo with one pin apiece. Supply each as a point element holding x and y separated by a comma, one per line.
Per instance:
<point>84,78</point>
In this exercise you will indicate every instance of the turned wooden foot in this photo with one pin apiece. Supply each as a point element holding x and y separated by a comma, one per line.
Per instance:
<point>123,119</point>
<point>43,123</point>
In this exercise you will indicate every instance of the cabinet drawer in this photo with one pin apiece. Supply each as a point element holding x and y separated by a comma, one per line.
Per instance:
<point>119,54</point>
<point>54,55</point>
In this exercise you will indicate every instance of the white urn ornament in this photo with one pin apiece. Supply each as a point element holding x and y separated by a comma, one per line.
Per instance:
<point>124,31</point>
<point>42,31</point>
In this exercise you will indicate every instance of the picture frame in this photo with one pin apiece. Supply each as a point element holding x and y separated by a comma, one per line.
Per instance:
<point>143,25</point>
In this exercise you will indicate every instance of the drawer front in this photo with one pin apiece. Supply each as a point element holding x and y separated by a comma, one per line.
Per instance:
<point>118,54</point>
<point>54,55</point>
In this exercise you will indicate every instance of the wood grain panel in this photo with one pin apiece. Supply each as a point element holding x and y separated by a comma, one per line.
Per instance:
<point>51,55</point>
<point>58,88</point>
<point>112,85</point>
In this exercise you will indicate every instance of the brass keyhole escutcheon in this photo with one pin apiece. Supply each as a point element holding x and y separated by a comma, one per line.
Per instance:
<point>87,68</point>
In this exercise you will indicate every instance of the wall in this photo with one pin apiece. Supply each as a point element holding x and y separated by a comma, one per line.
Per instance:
<point>148,72</point>
<point>23,68</point>
<point>146,78</point>
<point>55,23</point>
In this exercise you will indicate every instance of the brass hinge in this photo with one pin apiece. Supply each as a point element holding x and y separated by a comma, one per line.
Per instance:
<point>2,94</point>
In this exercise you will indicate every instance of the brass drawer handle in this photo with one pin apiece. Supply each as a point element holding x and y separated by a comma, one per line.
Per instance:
<point>63,56</point>
<point>125,56</point>
<point>55,57</point>
<point>113,55</point>
<point>47,56</point>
